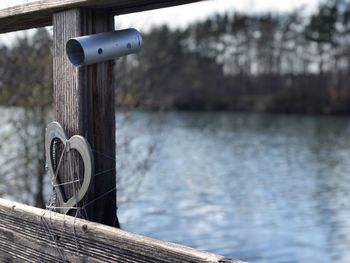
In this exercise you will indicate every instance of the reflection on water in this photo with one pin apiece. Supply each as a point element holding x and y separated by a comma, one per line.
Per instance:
<point>263,188</point>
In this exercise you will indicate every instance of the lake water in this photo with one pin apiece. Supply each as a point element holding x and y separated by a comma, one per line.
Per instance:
<point>258,187</point>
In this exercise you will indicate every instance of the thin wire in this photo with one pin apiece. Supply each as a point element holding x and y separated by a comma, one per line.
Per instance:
<point>77,213</point>
<point>101,196</point>
<point>71,171</point>
<point>75,234</point>
<point>105,171</point>
<point>52,236</point>
<point>61,207</point>
<point>105,155</point>
<point>46,224</point>
<point>71,182</point>
<point>74,189</point>
<point>59,162</point>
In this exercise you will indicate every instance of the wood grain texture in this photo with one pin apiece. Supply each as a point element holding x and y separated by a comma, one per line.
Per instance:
<point>84,104</point>
<point>38,13</point>
<point>25,237</point>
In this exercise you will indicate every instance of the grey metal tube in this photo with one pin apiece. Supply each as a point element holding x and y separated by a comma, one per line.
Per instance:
<point>90,49</point>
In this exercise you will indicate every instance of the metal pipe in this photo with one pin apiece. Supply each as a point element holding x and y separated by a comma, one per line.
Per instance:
<point>90,49</point>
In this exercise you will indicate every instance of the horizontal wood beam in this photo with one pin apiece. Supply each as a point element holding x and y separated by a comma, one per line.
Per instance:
<point>29,234</point>
<point>38,13</point>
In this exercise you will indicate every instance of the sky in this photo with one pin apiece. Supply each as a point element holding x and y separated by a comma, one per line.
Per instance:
<point>180,16</point>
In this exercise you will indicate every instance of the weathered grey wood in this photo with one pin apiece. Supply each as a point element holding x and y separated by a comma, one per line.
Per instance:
<point>38,13</point>
<point>26,237</point>
<point>84,105</point>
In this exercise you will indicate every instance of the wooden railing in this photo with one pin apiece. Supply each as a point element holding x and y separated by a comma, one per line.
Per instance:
<point>38,13</point>
<point>29,234</point>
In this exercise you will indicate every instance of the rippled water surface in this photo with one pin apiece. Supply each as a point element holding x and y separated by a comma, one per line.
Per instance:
<point>263,188</point>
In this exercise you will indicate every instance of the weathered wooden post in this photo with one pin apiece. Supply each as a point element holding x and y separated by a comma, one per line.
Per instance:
<point>85,105</point>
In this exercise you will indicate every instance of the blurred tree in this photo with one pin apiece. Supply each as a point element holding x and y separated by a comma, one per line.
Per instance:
<point>26,82</point>
<point>322,30</point>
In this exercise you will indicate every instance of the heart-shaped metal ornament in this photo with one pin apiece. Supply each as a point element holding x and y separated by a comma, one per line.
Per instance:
<point>54,131</point>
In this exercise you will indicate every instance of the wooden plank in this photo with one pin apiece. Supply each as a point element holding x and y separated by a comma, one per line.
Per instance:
<point>29,234</point>
<point>38,13</point>
<point>85,105</point>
